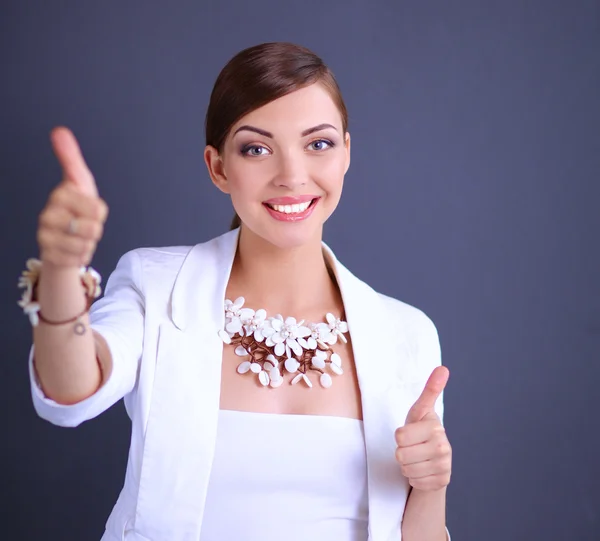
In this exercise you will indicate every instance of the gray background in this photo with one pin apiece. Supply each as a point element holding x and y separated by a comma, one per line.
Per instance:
<point>472,194</point>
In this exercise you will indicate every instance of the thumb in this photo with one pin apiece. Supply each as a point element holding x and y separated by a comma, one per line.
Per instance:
<point>433,389</point>
<point>75,171</point>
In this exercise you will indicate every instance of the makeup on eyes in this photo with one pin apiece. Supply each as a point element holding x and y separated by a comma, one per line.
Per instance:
<point>246,147</point>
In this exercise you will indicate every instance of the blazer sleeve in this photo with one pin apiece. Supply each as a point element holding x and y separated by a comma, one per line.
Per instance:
<point>119,317</point>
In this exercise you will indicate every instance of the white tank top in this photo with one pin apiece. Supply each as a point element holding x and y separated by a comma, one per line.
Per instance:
<point>292,477</point>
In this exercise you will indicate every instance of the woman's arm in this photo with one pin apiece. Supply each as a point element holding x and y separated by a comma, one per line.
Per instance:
<point>425,456</point>
<point>115,333</point>
<point>425,516</point>
<point>65,362</point>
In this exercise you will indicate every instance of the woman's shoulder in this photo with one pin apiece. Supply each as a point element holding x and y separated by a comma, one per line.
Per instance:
<point>148,267</point>
<point>167,256</point>
<point>174,255</point>
<point>160,265</point>
<point>412,325</point>
<point>157,258</point>
<point>406,313</point>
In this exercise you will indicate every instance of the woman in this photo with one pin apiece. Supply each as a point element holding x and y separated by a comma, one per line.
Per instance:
<point>266,402</point>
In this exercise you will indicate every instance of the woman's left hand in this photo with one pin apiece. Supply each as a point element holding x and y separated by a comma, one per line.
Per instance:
<point>424,452</point>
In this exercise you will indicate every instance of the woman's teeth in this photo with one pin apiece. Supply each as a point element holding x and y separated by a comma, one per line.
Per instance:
<point>291,209</point>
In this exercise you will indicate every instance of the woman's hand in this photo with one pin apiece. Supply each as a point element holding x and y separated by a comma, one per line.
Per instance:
<point>424,452</point>
<point>72,222</point>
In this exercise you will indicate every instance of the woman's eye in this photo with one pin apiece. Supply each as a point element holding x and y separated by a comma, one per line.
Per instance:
<point>321,144</point>
<point>254,150</point>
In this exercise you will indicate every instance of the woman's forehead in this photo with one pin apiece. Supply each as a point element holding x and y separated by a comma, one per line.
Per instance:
<point>295,112</point>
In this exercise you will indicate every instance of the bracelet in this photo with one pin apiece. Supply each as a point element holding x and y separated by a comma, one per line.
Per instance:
<point>29,279</point>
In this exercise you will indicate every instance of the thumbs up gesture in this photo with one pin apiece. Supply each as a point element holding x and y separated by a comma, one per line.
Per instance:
<point>72,222</point>
<point>423,450</point>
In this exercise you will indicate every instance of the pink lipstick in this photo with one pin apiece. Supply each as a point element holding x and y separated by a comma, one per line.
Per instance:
<point>278,206</point>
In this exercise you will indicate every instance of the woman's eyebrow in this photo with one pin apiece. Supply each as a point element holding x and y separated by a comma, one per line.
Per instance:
<point>317,128</point>
<point>268,134</point>
<point>255,130</point>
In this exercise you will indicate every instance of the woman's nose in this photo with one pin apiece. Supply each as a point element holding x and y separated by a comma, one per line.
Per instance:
<point>291,172</point>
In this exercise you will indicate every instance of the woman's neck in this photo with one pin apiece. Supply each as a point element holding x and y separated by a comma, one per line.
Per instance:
<point>292,282</point>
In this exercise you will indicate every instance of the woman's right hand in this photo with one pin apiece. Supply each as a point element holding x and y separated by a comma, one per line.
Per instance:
<point>72,222</point>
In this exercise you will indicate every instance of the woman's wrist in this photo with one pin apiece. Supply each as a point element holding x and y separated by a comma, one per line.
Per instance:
<point>64,294</point>
<point>425,516</point>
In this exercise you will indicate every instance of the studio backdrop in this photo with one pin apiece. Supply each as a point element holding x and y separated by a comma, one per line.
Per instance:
<point>472,194</point>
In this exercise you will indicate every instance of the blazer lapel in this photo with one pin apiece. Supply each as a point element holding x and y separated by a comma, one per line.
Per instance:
<point>383,402</point>
<point>182,425</point>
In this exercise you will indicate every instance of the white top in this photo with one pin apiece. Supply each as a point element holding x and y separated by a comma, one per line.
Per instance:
<point>292,477</point>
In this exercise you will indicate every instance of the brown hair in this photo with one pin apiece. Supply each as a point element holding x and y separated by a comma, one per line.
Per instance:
<point>259,75</point>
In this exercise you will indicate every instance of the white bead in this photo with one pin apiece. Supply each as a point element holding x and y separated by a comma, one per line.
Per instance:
<point>326,381</point>
<point>291,365</point>
<point>276,382</point>
<point>318,362</point>
<point>321,354</point>
<point>337,369</point>
<point>263,377</point>
<point>223,335</point>
<point>275,373</point>
<point>255,367</point>
<point>243,367</point>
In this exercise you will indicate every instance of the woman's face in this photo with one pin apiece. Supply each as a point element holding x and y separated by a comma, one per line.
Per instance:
<point>283,166</point>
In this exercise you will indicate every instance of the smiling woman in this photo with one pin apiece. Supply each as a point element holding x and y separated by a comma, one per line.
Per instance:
<point>264,404</point>
<point>260,75</point>
<point>292,151</point>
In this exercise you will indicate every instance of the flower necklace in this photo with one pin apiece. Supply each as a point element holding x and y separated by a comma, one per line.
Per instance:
<point>272,345</point>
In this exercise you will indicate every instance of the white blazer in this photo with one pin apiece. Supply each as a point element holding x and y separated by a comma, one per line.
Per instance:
<point>160,314</point>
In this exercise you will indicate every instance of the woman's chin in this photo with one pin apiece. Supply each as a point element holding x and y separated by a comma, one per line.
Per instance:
<point>288,236</point>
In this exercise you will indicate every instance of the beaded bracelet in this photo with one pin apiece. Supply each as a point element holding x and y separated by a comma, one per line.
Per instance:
<point>90,280</point>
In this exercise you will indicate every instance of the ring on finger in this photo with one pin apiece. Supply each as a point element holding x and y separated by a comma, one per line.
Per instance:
<point>73,226</point>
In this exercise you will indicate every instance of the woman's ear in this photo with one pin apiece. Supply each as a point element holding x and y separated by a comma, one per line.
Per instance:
<point>347,146</point>
<point>216,168</point>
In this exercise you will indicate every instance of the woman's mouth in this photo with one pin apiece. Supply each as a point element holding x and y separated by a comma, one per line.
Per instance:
<point>292,213</point>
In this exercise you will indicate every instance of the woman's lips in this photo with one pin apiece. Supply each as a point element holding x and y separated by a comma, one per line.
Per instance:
<point>292,216</point>
<point>291,200</point>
